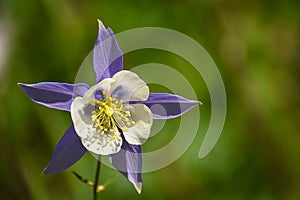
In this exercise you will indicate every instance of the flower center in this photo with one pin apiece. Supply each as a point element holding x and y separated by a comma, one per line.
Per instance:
<point>110,115</point>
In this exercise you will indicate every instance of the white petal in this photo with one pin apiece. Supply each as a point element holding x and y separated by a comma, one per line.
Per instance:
<point>129,87</point>
<point>81,117</point>
<point>102,144</point>
<point>139,133</point>
<point>81,109</point>
<point>83,124</point>
<point>106,84</point>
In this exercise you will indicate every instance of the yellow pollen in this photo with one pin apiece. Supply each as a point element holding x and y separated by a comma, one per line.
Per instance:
<point>110,116</point>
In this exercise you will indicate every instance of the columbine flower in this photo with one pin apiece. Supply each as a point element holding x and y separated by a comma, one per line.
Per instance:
<point>101,117</point>
<point>113,117</point>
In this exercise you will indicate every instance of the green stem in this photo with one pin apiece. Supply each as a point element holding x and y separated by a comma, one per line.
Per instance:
<point>98,168</point>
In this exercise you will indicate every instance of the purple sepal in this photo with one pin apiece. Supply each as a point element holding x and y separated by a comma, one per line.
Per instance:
<point>128,161</point>
<point>107,56</point>
<point>167,106</point>
<point>67,152</point>
<point>53,94</point>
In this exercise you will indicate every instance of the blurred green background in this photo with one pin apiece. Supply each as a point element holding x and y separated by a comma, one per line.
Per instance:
<point>256,47</point>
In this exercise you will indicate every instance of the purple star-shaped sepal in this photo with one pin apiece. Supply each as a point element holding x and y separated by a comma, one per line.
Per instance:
<point>108,60</point>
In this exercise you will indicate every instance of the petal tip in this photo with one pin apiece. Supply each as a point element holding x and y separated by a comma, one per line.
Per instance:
<point>45,171</point>
<point>21,85</point>
<point>42,173</point>
<point>100,24</point>
<point>138,187</point>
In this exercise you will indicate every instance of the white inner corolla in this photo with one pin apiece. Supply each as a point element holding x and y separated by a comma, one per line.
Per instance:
<point>103,114</point>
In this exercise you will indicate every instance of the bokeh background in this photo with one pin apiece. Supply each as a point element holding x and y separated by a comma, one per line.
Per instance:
<point>256,47</point>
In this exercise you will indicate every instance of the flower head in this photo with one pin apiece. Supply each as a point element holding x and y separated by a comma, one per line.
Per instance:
<point>114,114</point>
<point>105,112</point>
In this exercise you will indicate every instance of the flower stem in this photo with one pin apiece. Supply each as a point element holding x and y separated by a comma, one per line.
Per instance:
<point>98,168</point>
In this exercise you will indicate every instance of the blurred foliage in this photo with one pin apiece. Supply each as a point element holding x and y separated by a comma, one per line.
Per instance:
<point>256,47</point>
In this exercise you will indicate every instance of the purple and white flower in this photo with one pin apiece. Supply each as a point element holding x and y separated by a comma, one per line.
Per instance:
<point>113,117</point>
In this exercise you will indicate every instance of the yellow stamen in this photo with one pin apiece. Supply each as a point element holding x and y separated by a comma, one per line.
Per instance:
<point>110,116</point>
<point>103,92</point>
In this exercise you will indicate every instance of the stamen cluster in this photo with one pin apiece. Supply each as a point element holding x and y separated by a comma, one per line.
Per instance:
<point>110,115</point>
